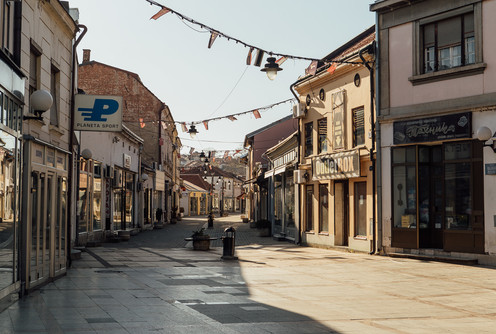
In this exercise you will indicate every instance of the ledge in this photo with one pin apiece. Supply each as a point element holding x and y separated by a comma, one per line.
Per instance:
<point>456,72</point>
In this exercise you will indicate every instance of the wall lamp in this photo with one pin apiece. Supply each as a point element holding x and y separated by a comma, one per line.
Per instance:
<point>192,131</point>
<point>271,68</point>
<point>40,101</point>
<point>86,154</point>
<point>484,134</point>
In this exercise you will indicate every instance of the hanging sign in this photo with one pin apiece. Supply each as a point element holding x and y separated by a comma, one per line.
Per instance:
<point>98,113</point>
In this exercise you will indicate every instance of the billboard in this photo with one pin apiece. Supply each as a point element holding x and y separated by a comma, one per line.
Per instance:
<point>98,113</point>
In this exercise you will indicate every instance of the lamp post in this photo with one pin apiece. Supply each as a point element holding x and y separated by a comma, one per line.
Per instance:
<point>210,214</point>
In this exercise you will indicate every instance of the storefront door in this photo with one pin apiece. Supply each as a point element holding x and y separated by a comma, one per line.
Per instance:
<point>341,216</point>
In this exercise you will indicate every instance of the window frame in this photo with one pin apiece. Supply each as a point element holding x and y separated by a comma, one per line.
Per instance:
<point>419,77</point>
<point>308,144</point>
<point>322,144</point>
<point>355,128</point>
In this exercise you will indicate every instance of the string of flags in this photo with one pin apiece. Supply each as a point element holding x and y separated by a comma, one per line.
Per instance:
<point>213,155</point>
<point>232,118</point>
<point>214,34</point>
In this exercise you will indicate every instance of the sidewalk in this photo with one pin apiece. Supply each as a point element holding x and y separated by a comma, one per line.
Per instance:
<point>156,283</point>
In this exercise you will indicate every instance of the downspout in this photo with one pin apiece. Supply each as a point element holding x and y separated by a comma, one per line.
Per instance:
<point>297,165</point>
<point>378,137</point>
<point>71,145</point>
<point>371,50</point>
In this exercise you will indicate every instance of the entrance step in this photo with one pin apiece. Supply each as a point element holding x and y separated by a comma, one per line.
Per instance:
<point>437,258</point>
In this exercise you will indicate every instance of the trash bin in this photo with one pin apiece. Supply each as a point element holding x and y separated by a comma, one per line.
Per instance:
<point>228,240</point>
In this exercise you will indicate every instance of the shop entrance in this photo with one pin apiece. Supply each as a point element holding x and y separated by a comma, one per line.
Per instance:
<point>341,215</point>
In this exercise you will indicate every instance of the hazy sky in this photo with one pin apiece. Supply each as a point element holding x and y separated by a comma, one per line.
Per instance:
<point>173,61</point>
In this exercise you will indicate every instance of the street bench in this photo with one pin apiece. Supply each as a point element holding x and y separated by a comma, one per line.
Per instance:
<point>191,239</point>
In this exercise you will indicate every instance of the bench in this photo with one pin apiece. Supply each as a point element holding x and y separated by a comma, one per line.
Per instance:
<point>191,239</point>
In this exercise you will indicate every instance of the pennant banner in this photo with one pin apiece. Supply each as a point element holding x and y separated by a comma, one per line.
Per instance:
<point>161,12</point>
<point>164,125</point>
<point>259,58</point>
<point>312,69</point>
<point>205,123</point>
<point>281,60</point>
<point>184,127</point>
<point>248,58</point>
<point>142,124</point>
<point>191,150</point>
<point>211,41</point>
<point>232,118</point>
<point>332,68</point>
<point>256,113</point>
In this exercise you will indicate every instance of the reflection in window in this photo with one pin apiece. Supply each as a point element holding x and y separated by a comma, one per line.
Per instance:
<point>323,208</point>
<point>458,195</point>
<point>404,188</point>
<point>278,200</point>
<point>289,201</point>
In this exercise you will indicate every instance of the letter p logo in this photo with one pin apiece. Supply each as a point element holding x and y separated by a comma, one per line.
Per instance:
<point>100,108</point>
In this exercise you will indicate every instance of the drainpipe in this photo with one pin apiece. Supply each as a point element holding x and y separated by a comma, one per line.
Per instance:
<point>371,50</point>
<point>378,138</point>
<point>298,136</point>
<point>71,144</point>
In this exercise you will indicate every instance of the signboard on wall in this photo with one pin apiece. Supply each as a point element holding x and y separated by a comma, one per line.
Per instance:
<point>98,113</point>
<point>438,128</point>
<point>343,165</point>
<point>338,120</point>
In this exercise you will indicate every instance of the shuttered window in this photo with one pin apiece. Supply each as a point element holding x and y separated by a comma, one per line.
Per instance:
<point>322,124</point>
<point>358,127</point>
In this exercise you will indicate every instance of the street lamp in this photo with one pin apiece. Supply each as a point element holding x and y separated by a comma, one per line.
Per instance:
<point>271,68</point>
<point>192,131</point>
<point>40,101</point>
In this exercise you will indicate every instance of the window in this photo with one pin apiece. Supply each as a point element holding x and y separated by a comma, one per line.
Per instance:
<point>322,133</point>
<point>404,187</point>
<point>54,90</point>
<point>308,139</point>
<point>358,127</point>
<point>323,208</point>
<point>7,25</point>
<point>309,208</point>
<point>360,196</point>
<point>449,43</point>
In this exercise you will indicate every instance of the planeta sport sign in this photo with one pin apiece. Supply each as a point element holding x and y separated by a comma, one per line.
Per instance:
<point>98,113</point>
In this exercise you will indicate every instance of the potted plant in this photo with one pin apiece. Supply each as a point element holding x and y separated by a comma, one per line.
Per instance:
<point>201,240</point>
<point>264,227</point>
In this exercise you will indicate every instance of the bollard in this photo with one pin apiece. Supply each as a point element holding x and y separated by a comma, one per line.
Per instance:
<point>228,240</point>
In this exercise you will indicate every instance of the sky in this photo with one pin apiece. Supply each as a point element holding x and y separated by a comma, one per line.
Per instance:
<point>173,61</point>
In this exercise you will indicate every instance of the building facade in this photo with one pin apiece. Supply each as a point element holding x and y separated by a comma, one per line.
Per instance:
<point>436,110</point>
<point>335,173</point>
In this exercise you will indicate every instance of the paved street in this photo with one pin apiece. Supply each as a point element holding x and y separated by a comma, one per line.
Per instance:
<point>156,283</point>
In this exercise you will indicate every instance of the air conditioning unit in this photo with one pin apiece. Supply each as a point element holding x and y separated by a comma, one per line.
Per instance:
<point>301,176</point>
<point>299,110</point>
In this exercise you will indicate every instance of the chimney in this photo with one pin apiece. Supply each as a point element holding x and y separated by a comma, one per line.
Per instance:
<point>86,55</point>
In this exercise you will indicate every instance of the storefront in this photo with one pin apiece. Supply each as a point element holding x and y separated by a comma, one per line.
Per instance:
<point>283,158</point>
<point>437,187</point>
<point>124,199</point>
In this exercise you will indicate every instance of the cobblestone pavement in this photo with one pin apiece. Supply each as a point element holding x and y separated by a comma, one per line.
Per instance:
<point>156,283</point>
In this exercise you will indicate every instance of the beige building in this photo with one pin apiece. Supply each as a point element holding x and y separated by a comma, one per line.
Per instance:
<point>336,149</point>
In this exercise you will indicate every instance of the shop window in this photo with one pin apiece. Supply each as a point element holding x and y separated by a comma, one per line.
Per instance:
<point>404,187</point>
<point>97,197</point>
<point>309,208</point>
<point>308,139</point>
<point>55,91</point>
<point>322,133</point>
<point>289,200</point>
<point>360,196</point>
<point>358,127</point>
<point>278,198</point>
<point>323,208</point>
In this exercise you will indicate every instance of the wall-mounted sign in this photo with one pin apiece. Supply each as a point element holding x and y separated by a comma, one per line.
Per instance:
<point>338,120</point>
<point>126,161</point>
<point>98,113</point>
<point>490,169</point>
<point>343,165</point>
<point>433,129</point>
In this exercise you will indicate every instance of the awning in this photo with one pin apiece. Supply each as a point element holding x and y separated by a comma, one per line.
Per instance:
<point>279,170</point>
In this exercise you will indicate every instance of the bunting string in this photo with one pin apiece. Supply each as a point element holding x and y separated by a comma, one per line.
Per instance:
<point>214,33</point>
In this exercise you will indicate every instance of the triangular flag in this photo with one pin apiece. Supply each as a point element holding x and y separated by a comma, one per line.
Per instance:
<point>231,118</point>
<point>237,151</point>
<point>226,153</point>
<point>161,142</point>
<point>248,58</point>
<point>161,12</point>
<point>184,127</point>
<point>164,125</point>
<point>213,159</point>
<point>312,69</point>
<point>332,68</point>
<point>281,60</point>
<point>213,36</point>
<point>191,150</point>
<point>256,113</point>
<point>142,124</point>
<point>259,58</point>
<point>205,123</point>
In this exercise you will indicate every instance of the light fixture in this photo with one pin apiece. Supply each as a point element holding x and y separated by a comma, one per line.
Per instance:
<point>271,68</point>
<point>484,134</point>
<point>144,177</point>
<point>192,131</point>
<point>40,101</point>
<point>202,156</point>
<point>86,154</point>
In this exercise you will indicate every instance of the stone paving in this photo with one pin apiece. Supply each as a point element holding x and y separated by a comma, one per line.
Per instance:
<point>156,283</point>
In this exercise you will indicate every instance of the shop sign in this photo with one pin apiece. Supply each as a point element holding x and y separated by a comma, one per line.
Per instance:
<point>338,120</point>
<point>490,169</point>
<point>433,129</point>
<point>98,113</point>
<point>127,160</point>
<point>336,166</point>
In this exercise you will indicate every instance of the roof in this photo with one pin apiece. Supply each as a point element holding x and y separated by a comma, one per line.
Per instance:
<point>274,148</point>
<point>193,187</point>
<point>215,171</point>
<point>196,179</point>
<point>254,133</point>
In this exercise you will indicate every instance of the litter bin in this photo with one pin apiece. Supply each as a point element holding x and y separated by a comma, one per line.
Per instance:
<point>228,239</point>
